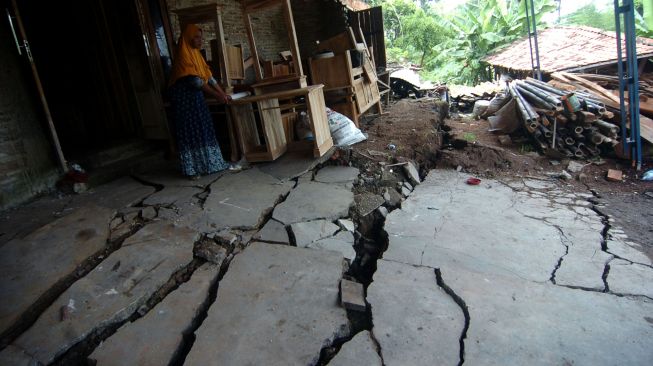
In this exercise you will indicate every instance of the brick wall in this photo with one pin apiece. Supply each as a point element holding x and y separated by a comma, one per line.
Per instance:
<point>314,20</point>
<point>26,163</point>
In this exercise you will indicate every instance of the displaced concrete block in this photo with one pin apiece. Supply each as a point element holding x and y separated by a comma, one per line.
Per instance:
<point>346,225</point>
<point>211,251</point>
<point>273,232</point>
<point>278,300</point>
<point>392,197</point>
<point>337,174</point>
<point>352,295</point>
<point>366,203</point>
<point>575,167</point>
<point>30,266</point>
<point>239,201</point>
<point>313,200</point>
<point>156,338</point>
<point>148,213</point>
<point>113,291</point>
<point>383,211</point>
<point>415,321</point>
<point>343,243</point>
<point>615,175</point>
<point>308,232</point>
<point>361,350</point>
<point>412,173</point>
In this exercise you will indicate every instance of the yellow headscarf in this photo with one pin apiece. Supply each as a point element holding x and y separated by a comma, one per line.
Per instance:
<point>189,60</point>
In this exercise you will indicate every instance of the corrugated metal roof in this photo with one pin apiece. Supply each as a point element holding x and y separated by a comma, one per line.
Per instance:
<point>566,48</point>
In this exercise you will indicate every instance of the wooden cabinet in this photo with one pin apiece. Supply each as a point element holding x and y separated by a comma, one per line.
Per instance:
<point>260,122</point>
<point>349,90</point>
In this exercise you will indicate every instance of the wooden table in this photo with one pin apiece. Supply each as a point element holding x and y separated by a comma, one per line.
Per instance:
<point>273,143</point>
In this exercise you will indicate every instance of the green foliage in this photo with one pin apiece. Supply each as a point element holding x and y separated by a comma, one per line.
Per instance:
<point>450,43</point>
<point>589,15</point>
<point>602,16</point>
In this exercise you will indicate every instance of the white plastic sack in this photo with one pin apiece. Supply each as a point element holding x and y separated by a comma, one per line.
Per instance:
<point>343,130</point>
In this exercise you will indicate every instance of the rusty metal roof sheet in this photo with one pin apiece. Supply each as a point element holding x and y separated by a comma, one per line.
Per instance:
<point>566,49</point>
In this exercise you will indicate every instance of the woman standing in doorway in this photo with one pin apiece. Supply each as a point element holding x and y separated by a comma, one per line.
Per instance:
<point>190,81</point>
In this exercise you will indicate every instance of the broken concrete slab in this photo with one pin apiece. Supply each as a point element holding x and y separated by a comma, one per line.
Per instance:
<point>29,267</point>
<point>627,250</point>
<point>575,167</point>
<point>367,202</point>
<point>14,356</point>
<point>238,201</point>
<point>434,227</point>
<point>211,251</point>
<point>117,194</point>
<point>405,191</point>
<point>382,211</point>
<point>584,270</point>
<point>337,174</point>
<point>412,173</point>
<point>346,225</point>
<point>314,200</point>
<point>308,232</point>
<point>630,279</point>
<point>148,213</point>
<point>155,339</point>
<point>352,295</point>
<point>112,291</point>
<point>172,195</point>
<point>512,306</point>
<point>430,325</point>
<point>273,232</point>
<point>288,295</point>
<point>343,242</point>
<point>548,324</point>
<point>360,350</point>
<point>392,197</point>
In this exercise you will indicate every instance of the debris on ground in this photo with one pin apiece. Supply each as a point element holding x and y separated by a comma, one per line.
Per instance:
<point>615,175</point>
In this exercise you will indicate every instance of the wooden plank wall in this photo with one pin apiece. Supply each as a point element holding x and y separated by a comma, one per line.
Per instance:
<point>371,22</point>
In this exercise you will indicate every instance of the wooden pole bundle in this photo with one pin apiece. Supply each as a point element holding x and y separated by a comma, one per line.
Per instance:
<point>572,123</point>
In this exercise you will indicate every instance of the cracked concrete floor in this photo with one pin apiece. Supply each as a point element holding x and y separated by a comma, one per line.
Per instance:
<point>536,274</point>
<point>160,270</point>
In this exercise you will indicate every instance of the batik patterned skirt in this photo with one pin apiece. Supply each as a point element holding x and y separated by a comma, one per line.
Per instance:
<point>196,141</point>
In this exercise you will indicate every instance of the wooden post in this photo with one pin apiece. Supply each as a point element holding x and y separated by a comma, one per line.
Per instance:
<point>222,57</point>
<point>292,37</point>
<point>252,44</point>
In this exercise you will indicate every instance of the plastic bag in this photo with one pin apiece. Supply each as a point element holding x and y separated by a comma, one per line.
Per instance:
<point>343,130</point>
<point>648,175</point>
<point>496,103</point>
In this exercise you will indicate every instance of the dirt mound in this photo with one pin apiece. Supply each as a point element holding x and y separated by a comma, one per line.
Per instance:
<point>410,130</point>
<point>486,160</point>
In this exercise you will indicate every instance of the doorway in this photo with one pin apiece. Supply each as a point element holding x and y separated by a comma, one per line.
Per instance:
<point>98,72</point>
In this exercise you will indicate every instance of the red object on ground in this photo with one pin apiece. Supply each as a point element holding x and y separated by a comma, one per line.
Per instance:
<point>473,181</point>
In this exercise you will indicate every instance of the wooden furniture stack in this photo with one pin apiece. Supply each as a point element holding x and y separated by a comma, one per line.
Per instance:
<point>350,89</point>
<point>265,120</point>
<point>271,140</point>
<point>265,83</point>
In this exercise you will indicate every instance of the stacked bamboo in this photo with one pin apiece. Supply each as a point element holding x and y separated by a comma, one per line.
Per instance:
<point>576,124</point>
